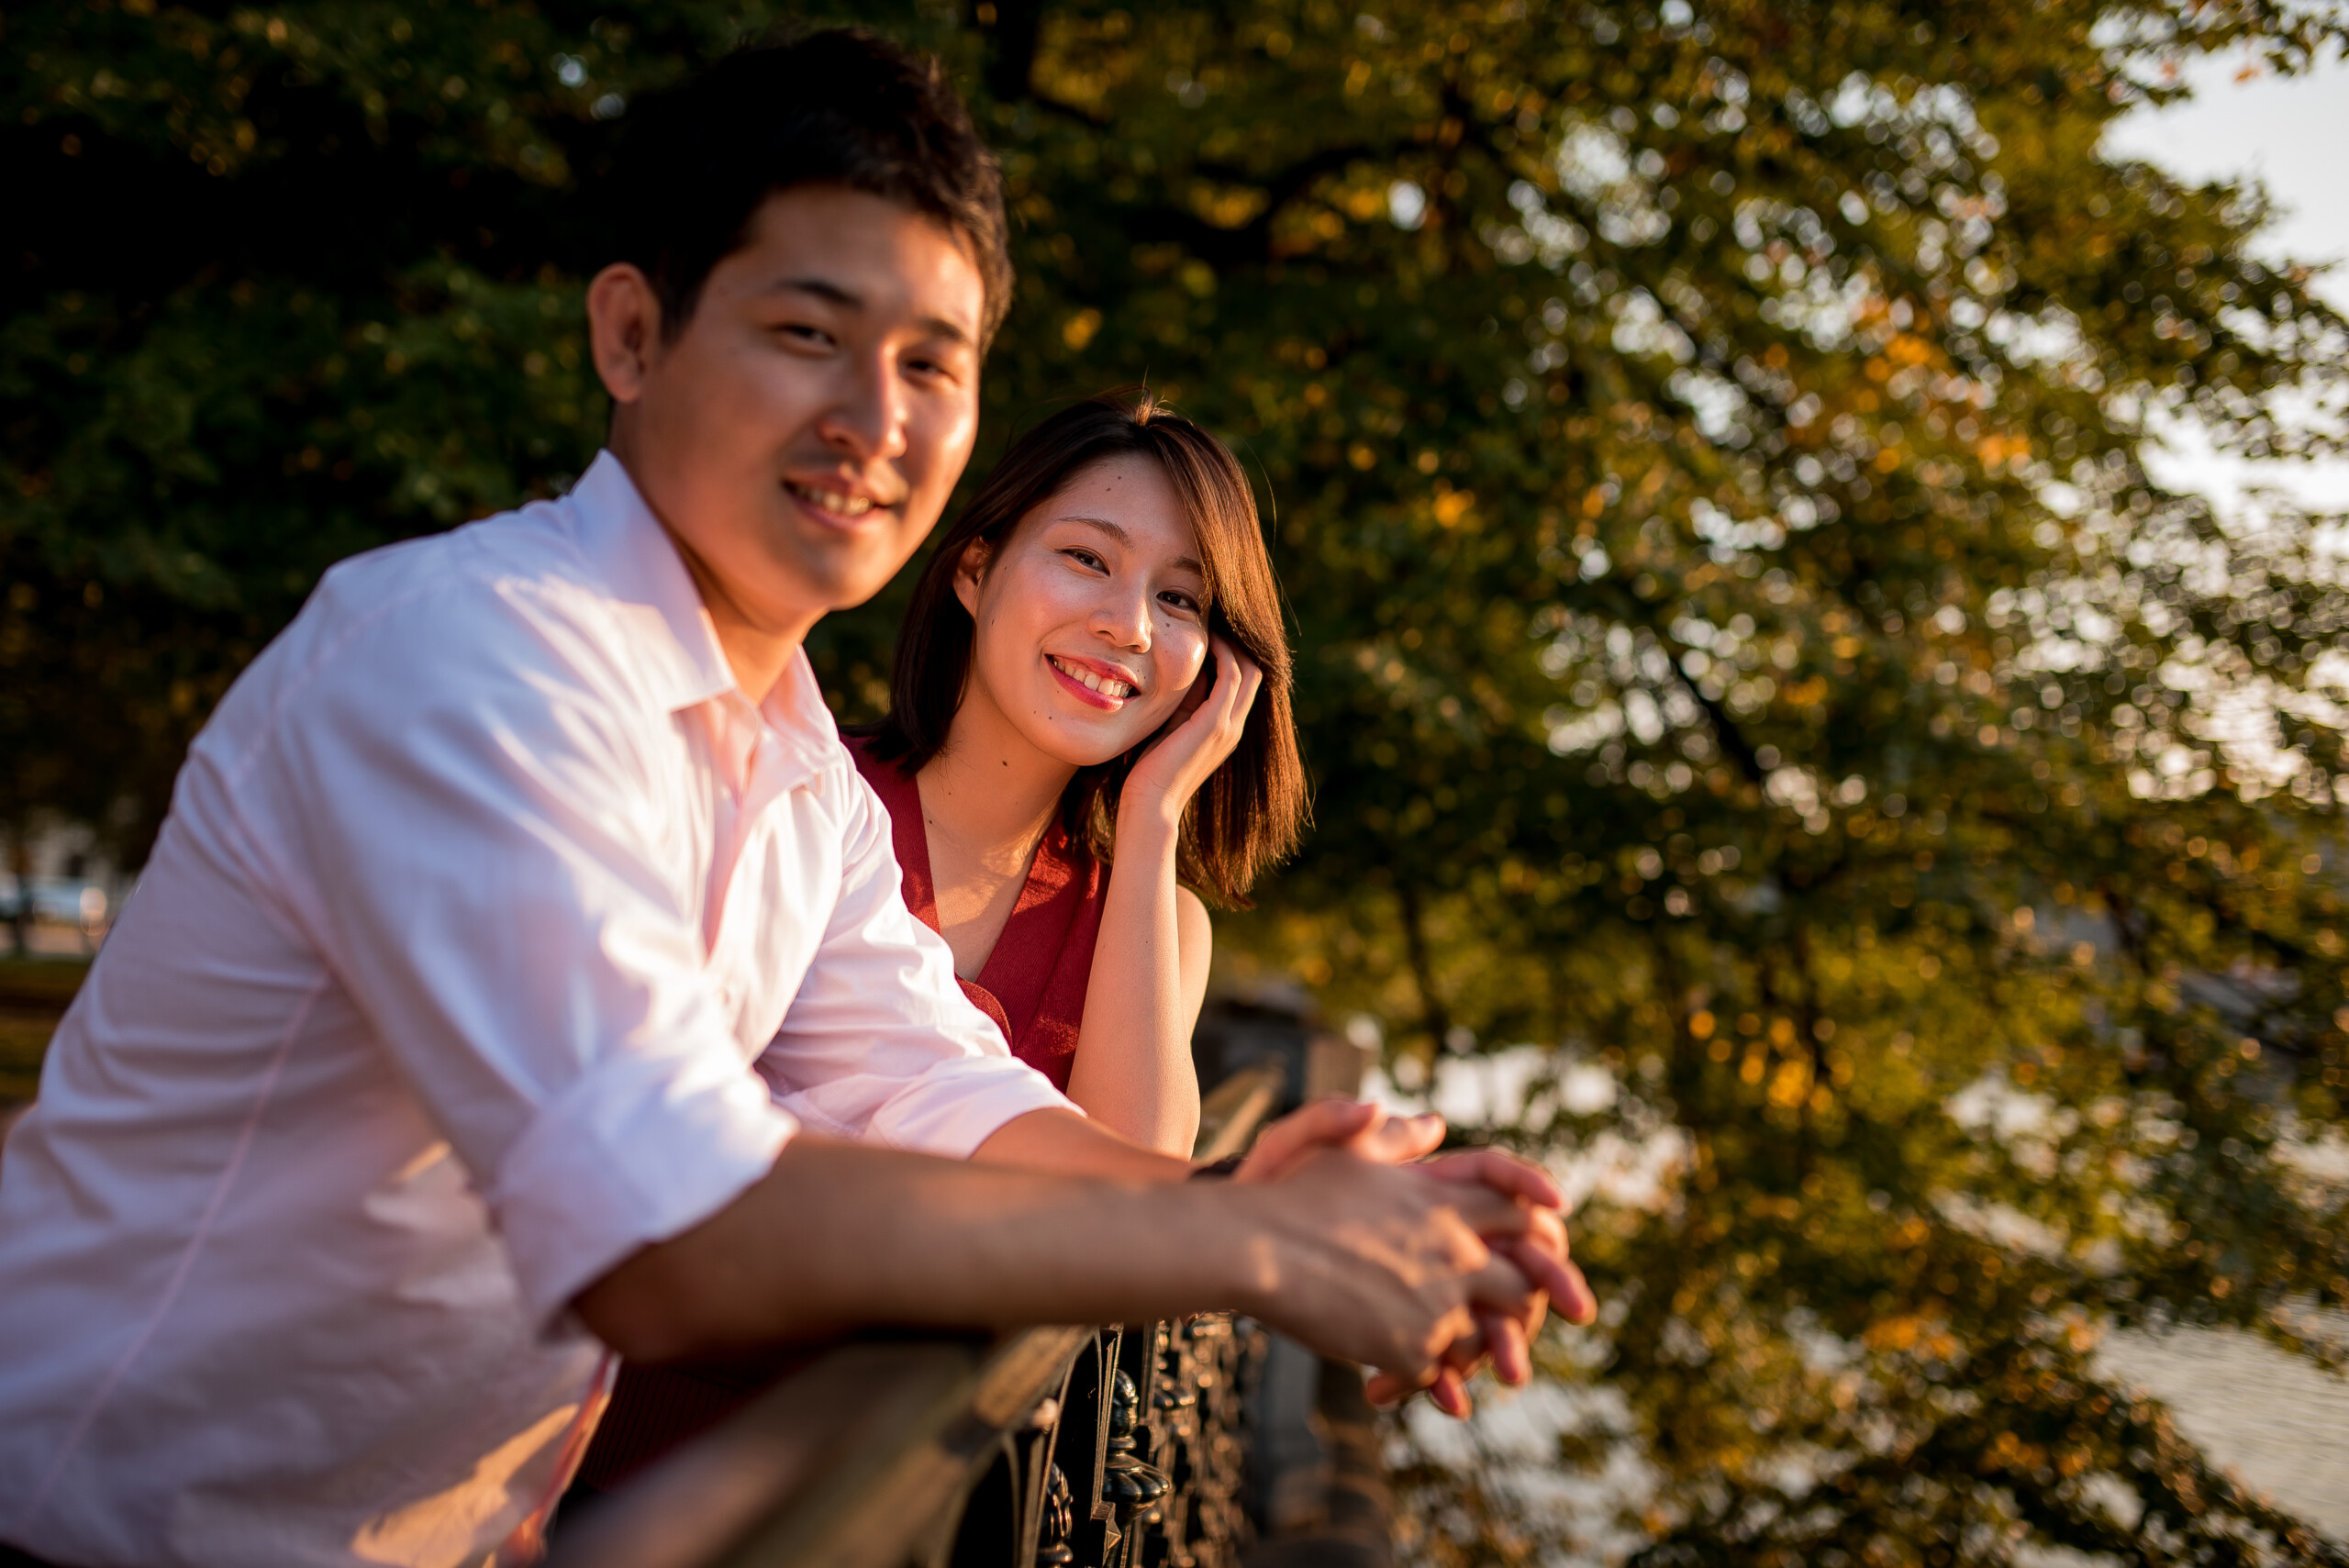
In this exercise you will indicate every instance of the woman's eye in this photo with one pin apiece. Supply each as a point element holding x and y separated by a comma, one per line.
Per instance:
<point>1180,600</point>
<point>1082,558</point>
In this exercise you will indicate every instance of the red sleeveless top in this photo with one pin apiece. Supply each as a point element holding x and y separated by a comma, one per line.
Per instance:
<point>1033,983</point>
<point>1032,986</point>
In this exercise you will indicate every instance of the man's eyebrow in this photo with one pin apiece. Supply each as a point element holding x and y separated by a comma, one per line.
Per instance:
<point>1120,534</point>
<point>823,289</point>
<point>831,293</point>
<point>938,326</point>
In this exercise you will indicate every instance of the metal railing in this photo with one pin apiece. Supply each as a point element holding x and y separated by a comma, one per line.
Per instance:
<point>1049,1447</point>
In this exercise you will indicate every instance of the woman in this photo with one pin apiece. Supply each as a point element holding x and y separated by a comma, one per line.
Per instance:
<point>1089,721</point>
<point>1090,729</point>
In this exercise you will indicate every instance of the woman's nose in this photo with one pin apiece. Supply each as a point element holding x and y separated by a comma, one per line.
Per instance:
<point>1124,619</point>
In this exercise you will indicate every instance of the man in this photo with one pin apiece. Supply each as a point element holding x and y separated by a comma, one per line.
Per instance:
<point>521,972</point>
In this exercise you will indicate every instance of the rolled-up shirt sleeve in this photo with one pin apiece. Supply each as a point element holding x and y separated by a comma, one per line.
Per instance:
<point>880,1043</point>
<point>489,893</point>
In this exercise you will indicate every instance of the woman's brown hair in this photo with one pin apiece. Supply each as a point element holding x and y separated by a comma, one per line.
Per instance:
<point>1248,814</point>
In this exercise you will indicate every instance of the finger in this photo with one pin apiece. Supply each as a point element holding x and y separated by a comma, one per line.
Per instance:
<point>1505,1343</point>
<point>1203,685</point>
<point>1491,1215</point>
<point>1546,1231</point>
<point>1389,1389</point>
<point>1538,1309</point>
<point>1319,1124</point>
<point>1235,689</point>
<point>1194,703</point>
<point>1205,711</point>
<point>1503,1173</point>
<point>1252,680</point>
<point>1400,1140</point>
<point>1501,1285</point>
<point>1531,1321</point>
<point>1556,1278</point>
<point>1450,1393</point>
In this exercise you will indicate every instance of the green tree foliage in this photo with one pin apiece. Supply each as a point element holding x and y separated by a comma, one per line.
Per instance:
<point>1741,639</point>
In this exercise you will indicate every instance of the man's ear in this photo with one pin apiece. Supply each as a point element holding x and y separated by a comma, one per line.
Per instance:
<point>967,573</point>
<point>623,328</point>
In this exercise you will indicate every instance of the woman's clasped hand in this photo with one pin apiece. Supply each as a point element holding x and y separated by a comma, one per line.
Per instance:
<point>1513,1263</point>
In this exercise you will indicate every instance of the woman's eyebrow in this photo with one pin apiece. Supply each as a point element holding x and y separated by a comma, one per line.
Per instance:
<point>1120,534</point>
<point>1104,524</point>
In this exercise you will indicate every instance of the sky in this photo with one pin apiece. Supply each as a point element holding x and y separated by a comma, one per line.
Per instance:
<point>2287,131</point>
<point>2292,134</point>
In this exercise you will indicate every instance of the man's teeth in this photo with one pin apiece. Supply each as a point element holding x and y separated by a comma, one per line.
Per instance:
<point>847,505</point>
<point>1106,688</point>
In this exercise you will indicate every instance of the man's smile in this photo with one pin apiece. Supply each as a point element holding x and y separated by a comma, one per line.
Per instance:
<point>832,503</point>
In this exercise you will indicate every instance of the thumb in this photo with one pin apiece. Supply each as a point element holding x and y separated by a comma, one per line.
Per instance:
<point>1322,1124</point>
<point>1400,1140</point>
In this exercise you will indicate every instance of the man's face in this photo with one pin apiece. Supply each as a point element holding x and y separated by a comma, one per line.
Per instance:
<point>802,434</point>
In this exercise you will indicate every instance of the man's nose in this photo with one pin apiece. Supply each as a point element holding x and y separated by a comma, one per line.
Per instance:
<point>867,413</point>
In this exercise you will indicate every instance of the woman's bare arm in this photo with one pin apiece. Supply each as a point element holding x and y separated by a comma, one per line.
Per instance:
<point>1132,1072</point>
<point>1134,1066</point>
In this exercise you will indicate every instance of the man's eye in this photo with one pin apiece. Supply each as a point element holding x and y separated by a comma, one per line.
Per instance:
<point>800,332</point>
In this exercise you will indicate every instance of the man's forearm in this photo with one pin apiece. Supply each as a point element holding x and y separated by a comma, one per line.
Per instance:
<point>1384,1266</point>
<point>836,1237</point>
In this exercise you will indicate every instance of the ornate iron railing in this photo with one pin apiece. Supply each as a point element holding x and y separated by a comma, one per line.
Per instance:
<point>1051,1448</point>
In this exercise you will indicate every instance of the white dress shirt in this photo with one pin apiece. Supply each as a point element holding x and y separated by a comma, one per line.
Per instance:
<point>494,933</point>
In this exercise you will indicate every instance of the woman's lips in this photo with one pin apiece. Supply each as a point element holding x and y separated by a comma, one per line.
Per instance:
<point>1102,700</point>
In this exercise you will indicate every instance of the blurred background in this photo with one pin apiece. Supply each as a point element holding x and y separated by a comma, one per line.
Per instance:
<point>1814,536</point>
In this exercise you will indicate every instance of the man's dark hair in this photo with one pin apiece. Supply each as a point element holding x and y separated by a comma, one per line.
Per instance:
<point>841,108</point>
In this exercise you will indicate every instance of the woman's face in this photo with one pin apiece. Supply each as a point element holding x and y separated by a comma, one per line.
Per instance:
<point>1091,618</point>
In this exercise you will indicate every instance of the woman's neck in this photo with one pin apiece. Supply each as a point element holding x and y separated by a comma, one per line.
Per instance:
<point>989,789</point>
<point>986,800</point>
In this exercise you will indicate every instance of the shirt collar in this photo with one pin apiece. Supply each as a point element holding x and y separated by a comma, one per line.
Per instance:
<point>797,714</point>
<point>641,567</point>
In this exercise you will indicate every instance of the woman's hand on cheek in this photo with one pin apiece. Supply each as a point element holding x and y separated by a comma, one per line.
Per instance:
<point>1203,731</point>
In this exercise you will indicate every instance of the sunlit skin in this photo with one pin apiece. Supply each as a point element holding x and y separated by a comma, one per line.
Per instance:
<point>1089,639</point>
<point>1103,579</point>
<point>799,437</point>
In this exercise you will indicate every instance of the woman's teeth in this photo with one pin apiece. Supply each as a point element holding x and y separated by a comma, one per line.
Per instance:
<point>1107,686</point>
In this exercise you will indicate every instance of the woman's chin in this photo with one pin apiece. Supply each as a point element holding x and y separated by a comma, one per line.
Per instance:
<point>1088,756</point>
<point>1088,740</point>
